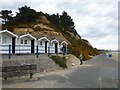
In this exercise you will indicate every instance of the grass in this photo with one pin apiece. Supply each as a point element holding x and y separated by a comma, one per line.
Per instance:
<point>61,61</point>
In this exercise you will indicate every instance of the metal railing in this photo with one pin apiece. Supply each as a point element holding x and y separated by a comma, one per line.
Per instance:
<point>28,49</point>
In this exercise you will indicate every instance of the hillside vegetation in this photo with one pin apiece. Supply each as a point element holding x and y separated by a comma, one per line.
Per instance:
<point>38,22</point>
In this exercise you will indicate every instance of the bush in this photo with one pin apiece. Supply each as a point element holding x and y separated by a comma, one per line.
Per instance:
<point>61,61</point>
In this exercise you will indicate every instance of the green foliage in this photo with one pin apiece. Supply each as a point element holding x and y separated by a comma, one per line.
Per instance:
<point>64,22</point>
<point>6,15</point>
<point>25,15</point>
<point>87,51</point>
<point>55,19</point>
<point>61,61</point>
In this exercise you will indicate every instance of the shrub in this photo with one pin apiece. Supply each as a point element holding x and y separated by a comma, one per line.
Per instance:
<point>61,61</point>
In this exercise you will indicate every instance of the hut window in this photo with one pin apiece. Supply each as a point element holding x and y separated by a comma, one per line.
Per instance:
<point>64,44</point>
<point>21,41</point>
<point>41,43</point>
<point>50,44</point>
<point>4,40</point>
<point>25,41</point>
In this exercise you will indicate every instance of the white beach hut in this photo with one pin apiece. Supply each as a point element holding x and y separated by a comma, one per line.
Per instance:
<point>63,44</point>
<point>54,46</point>
<point>43,44</point>
<point>7,38</point>
<point>26,44</point>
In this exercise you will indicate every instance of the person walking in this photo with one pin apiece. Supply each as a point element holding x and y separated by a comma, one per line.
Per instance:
<point>81,58</point>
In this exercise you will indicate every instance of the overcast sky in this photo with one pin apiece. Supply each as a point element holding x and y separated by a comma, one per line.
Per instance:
<point>95,20</point>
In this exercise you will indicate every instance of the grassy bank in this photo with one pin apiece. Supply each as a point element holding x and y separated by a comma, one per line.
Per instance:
<point>61,61</point>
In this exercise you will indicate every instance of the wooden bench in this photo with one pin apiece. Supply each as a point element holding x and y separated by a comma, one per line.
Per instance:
<point>13,71</point>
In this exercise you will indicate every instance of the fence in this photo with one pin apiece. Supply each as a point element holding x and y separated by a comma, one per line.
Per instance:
<point>28,49</point>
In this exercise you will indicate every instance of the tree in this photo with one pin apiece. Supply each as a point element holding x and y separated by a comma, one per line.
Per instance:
<point>6,15</point>
<point>24,9</point>
<point>26,15</point>
<point>66,22</point>
<point>55,19</point>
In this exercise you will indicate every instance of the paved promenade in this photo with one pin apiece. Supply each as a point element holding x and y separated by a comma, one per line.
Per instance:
<point>99,72</point>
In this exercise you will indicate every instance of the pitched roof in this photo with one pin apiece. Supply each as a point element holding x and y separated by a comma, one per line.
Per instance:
<point>44,38</point>
<point>29,35</point>
<point>54,40</point>
<point>3,31</point>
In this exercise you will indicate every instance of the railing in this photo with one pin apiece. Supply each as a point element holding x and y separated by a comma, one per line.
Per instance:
<point>28,49</point>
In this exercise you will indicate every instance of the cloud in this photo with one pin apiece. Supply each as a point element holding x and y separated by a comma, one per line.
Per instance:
<point>106,42</point>
<point>46,7</point>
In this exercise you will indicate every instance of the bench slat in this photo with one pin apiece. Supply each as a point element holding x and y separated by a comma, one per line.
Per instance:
<point>12,71</point>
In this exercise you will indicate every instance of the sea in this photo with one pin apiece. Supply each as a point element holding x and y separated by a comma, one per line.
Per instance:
<point>115,51</point>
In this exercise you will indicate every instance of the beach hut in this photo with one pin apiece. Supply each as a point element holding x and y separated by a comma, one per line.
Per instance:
<point>7,38</point>
<point>54,46</point>
<point>63,46</point>
<point>26,44</point>
<point>43,44</point>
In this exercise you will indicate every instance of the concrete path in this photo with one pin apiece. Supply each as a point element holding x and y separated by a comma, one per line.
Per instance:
<point>99,72</point>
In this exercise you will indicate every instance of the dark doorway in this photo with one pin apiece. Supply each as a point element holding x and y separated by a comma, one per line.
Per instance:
<point>13,44</point>
<point>45,47</point>
<point>56,47</point>
<point>32,46</point>
<point>64,49</point>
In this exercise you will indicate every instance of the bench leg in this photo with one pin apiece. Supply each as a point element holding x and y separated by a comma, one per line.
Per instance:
<point>31,74</point>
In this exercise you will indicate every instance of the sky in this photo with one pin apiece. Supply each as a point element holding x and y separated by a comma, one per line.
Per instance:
<point>95,20</point>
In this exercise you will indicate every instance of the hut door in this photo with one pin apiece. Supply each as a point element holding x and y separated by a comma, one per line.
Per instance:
<point>13,44</point>
<point>32,46</point>
<point>56,47</point>
<point>45,47</point>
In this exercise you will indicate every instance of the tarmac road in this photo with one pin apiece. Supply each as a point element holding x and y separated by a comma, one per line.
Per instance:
<point>99,72</point>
